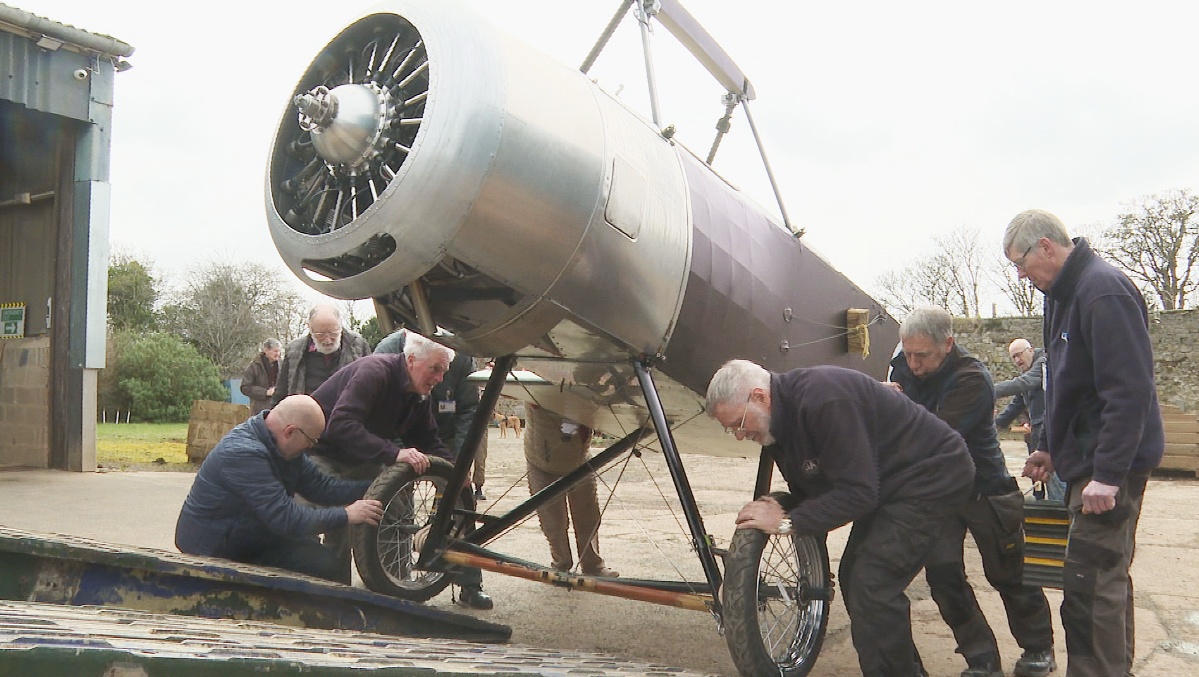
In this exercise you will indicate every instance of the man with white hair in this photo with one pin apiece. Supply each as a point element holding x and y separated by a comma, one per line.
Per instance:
<point>851,450</point>
<point>374,401</point>
<point>310,359</point>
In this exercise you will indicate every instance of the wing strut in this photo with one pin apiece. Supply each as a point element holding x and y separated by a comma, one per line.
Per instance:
<point>700,539</point>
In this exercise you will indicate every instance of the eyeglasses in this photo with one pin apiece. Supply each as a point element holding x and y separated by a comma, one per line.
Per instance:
<point>1022,352</point>
<point>1020,263</point>
<point>306,435</point>
<point>744,413</point>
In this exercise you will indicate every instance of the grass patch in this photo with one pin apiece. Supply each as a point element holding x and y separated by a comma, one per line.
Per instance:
<point>142,446</point>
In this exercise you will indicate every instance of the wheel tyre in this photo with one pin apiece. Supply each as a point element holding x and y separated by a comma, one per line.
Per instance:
<point>769,627</point>
<point>386,555</point>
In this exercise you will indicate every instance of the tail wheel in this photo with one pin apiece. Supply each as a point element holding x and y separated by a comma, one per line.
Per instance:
<point>776,597</point>
<point>386,555</point>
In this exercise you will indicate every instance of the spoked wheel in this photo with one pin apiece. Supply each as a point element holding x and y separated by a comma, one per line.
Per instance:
<point>776,596</point>
<point>386,555</point>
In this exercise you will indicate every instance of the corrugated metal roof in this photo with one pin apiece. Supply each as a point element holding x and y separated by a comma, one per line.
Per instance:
<point>30,25</point>
<point>56,68</point>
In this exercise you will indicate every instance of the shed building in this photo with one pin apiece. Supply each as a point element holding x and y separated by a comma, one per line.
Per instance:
<point>56,98</point>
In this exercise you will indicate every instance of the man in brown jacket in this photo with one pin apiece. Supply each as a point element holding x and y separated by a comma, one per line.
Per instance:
<point>258,382</point>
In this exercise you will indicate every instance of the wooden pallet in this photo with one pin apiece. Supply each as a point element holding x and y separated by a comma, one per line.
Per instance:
<point>1182,441</point>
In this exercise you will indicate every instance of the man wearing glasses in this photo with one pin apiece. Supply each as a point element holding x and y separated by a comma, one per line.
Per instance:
<point>1028,396</point>
<point>1103,430</point>
<point>851,450</point>
<point>312,358</point>
<point>242,505</point>
<point>372,402</point>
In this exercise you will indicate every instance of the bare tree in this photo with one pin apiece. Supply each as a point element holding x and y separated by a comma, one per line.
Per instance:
<point>952,277</point>
<point>226,310</point>
<point>1019,292</point>
<point>1157,242</point>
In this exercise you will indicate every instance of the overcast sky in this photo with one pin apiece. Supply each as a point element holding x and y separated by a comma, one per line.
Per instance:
<point>886,123</point>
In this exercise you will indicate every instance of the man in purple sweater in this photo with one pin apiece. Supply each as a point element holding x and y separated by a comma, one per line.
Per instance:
<point>852,450</point>
<point>374,401</point>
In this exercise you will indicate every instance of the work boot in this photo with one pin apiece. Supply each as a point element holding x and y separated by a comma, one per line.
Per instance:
<point>987,665</point>
<point>1035,664</point>
<point>479,493</point>
<point>474,597</point>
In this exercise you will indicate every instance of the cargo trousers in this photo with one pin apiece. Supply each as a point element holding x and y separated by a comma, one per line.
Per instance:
<point>997,525</point>
<point>1097,600</point>
<point>885,551</point>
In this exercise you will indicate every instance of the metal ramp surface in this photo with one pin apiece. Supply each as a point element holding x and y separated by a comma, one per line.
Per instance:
<point>47,639</point>
<point>58,569</point>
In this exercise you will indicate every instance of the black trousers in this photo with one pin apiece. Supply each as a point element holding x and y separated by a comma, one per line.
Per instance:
<point>885,551</point>
<point>997,525</point>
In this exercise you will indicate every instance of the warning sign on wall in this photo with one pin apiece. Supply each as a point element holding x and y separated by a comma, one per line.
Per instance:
<point>12,320</point>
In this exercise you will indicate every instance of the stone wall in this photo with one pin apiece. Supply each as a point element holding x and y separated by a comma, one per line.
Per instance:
<point>25,402</point>
<point>1175,336</point>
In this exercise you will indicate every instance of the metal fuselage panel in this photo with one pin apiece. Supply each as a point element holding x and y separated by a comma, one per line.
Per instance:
<point>535,214</point>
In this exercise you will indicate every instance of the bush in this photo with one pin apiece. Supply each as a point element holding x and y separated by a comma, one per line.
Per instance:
<point>158,376</point>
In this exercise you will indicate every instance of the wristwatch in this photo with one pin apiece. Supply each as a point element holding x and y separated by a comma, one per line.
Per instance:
<point>785,526</point>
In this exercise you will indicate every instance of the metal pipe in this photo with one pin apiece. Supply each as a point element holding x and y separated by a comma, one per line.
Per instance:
<point>440,527</point>
<point>643,15</point>
<point>26,199</point>
<point>680,600</point>
<point>765,474</point>
<point>778,195</point>
<point>722,126</point>
<point>699,535</point>
<point>605,36</point>
<point>420,304</point>
<point>555,489</point>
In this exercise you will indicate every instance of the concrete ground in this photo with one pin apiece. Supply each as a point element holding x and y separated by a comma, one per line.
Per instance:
<point>641,537</point>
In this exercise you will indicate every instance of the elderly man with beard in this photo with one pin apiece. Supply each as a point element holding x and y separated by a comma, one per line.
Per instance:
<point>852,450</point>
<point>309,360</point>
<point>374,401</point>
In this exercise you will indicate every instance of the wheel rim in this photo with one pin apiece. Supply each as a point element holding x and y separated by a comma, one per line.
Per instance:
<point>406,519</point>
<point>789,622</point>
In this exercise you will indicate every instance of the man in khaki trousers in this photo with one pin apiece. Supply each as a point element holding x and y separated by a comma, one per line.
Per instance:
<point>554,446</point>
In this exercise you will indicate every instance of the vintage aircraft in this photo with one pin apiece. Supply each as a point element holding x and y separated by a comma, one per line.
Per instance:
<point>504,204</point>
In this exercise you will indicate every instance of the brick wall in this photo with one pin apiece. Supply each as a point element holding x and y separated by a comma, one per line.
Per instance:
<point>25,402</point>
<point>1175,336</point>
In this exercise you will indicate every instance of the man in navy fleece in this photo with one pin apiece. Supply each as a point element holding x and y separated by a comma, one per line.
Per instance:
<point>1102,434</point>
<point>852,449</point>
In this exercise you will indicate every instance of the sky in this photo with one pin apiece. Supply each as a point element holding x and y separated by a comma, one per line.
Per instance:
<point>886,124</point>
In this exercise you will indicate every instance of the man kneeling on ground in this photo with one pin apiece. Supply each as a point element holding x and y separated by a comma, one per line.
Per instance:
<point>242,505</point>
